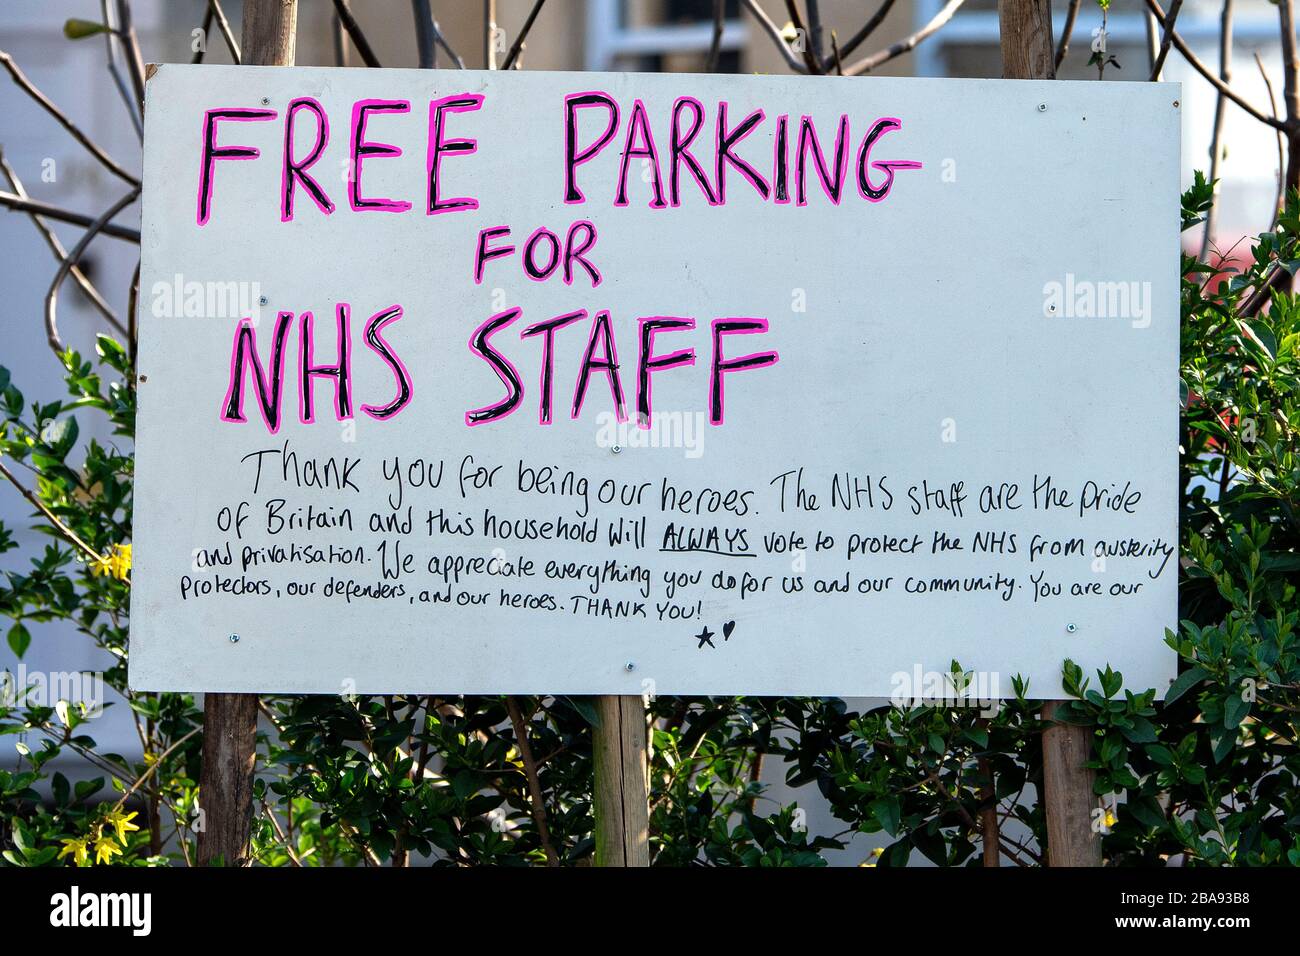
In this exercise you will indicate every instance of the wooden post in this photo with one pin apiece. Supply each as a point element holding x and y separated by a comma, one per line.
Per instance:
<point>230,720</point>
<point>1027,49</point>
<point>622,793</point>
<point>1067,793</point>
<point>1028,53</point>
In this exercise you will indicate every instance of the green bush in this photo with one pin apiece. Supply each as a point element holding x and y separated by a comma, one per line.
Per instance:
<point>1209,776</point>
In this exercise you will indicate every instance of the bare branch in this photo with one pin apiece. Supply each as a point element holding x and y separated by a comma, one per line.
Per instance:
<point>868,28</point>
<point>774,32</point>
<point>489,28</point>
<point>26,85</point>
<point>205,27</point>
<point>535,799</point>
<point>340,41</point>
<point>50,516</point>
<point>426,48</point>
<point>907,44</point>
<point>50,211</point>
<point>837,59</point>
<point>442,42</point>
<point>1202,69</point>
<point>214,6</point>
<point>354,32</point>
<point>131,49</point>
<point>517,47</point>
<point>1281,156</point>
<point>132,304</point>
<point>70,260</point>
<point>817,46</point>
<point>810,59</point>
<point>60,253</point>
<point>1216,136</point>
<point>1153,40</point>
<point>1067,31</point>
<point>1290,60</point>
<point>715,45</point>
<point>111,42</point>
<point>1174,8</point>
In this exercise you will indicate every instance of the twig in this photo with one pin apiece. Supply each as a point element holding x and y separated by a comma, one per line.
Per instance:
<point>426,49</point>
<point>111,41</point>
<point>59,252</point>
<point>1174,8</point>
<point>773,31</point>
<point>1216,136</point>
<point>152,767</point>
<point>815,32</point>
<point>715,44</point>
<point>27,87</point>
<point>442,42</point>
<point>340,41</point>
<point>489,28</point>
<point>131,49</point>
<point>811,60</point>
<point>1067,31</point>
<point>536,802</point>
<point>205,27</point>
<point>907,44</point>
<point>1213,80</point>
<point>1153,40</point>
<point>50,211</point>
<point>1281,158</point>
<point>517,47</point>
<point>358,38</point>
<point>836,56</point>
<point>72,258</point>
<point>132,321</point>
<point>224,26</point>
<point>868,28</point>
<point>50,516</point>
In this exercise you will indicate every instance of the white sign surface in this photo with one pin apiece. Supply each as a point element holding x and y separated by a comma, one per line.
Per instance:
<point>614,383</point>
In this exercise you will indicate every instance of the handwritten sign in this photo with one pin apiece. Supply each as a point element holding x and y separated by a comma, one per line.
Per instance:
<point>615,383</point>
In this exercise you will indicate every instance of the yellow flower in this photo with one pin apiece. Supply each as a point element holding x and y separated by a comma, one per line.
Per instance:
<point>121,824</point>
<point>1111,819</point>
<point>77,847</point>
<point>115,564</point>
<point>105,849</point>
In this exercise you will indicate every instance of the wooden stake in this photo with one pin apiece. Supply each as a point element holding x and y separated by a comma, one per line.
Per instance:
<point>622,782</point>
<point>226,782</point>
<point>230,720</point>
<point>1027,49</point>
<point>1029,54</point>
<point>1067,793</point>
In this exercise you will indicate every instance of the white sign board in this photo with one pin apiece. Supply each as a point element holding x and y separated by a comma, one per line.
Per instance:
<point>613,383</point>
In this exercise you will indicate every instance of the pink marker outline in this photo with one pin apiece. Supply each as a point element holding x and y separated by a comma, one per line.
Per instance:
<point>376,342</point>
<point>720,366</point>
<point>290,170</point>
<point>212,152</point>
<point>437,146</point>
<point>247,332</point>
<point>885,124</point>
<point>360,148</point>
<point>485,331</point>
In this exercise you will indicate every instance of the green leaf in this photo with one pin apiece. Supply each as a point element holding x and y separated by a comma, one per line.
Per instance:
<point>77,29</point>
<point>19,639</point>
<point>1235,710</point>
<point>1185,682</point>
<point>887,812</point>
